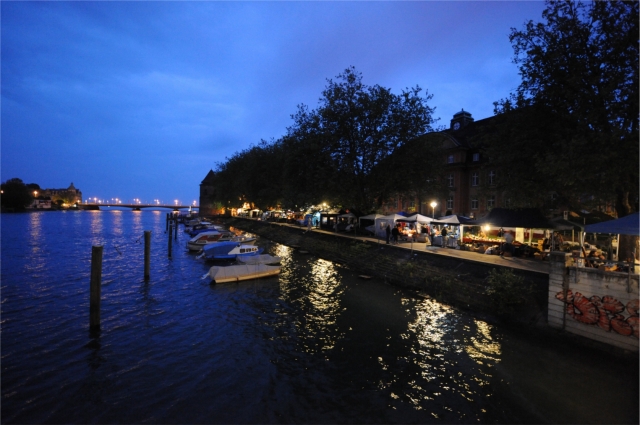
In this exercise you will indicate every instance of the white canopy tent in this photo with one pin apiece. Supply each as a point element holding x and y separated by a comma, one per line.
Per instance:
<point>383,221</point>
<point>417,218</point>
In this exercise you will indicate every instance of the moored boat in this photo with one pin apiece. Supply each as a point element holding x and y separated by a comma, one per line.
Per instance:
<point>214,236</point>
<point>228,250</point>
<point>259,259</point>
<point>235,273</point>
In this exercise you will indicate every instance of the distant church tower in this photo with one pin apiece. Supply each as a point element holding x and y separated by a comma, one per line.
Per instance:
<point>460,120</point>
<point>207,195</point>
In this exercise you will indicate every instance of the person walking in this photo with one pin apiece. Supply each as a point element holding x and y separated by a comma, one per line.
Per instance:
<point>388,231</point>
<point>394,234</point>
<point>444,236</point>
<point>309,224</point>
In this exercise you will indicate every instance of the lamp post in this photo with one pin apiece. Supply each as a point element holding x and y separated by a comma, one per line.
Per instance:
<point>433,209</point>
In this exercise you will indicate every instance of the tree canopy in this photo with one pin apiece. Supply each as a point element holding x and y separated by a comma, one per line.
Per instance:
<point>329,154</point>
<point>17,195</point>
<point>577,121</point>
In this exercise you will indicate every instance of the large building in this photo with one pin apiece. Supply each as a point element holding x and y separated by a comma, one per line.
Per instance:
<point>470,189</point>
<point>68,196</point>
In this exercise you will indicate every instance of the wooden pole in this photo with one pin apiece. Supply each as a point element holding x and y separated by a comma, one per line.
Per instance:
<point>176,229</point>
<point>167,223</point>
<point>96,281</point>
<point>147,253</point>
<point>170,232</point>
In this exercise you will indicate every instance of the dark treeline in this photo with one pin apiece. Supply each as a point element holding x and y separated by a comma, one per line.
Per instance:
<point>16,195</point>
<point>360,146</point>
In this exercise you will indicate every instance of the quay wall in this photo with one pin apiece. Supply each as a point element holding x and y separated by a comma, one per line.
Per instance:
<point>596,304</point>
<point>457,282</point>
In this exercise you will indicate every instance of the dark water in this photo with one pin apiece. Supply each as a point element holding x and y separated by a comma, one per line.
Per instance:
<point>314,345</point>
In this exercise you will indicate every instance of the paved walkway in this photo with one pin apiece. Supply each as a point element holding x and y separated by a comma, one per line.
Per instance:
<point>531,264</point>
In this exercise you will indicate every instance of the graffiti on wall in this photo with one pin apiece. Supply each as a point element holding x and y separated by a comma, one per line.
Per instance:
<point>605,312</point>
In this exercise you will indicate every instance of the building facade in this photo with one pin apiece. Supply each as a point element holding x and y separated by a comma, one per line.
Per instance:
<point>68,196</point>
<point>207,195</point>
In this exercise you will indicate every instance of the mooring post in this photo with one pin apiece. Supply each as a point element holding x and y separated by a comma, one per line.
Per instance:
<point>167,223</point>
<point>170,233</point>
<point>176,229</point>
<point>94,292</point>
<point>147,253</point>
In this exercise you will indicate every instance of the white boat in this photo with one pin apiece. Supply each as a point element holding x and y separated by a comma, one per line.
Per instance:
<point>259,259</point>
<point>236,273</point>
<point>213,236</point>
<point>228,250</point>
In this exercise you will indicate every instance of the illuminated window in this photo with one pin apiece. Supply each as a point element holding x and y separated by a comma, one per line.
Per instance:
<point>450,202</point>
<point>475,179</point>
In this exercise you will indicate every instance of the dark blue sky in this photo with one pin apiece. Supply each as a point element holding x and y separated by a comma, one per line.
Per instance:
<point>140,99</point>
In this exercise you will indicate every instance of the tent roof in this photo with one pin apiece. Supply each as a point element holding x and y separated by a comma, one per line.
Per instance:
<point>416,217</point>
<point>453,219</point>
<point>371,216</point>
<point>530,218</point>
<point>346,215</point>
<point>627,225</point>
<point>394,217</point>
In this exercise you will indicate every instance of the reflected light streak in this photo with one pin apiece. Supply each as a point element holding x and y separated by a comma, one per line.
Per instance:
<point>482,346</point>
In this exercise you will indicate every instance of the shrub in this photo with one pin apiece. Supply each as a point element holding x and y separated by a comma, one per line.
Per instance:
<point>508,292</point>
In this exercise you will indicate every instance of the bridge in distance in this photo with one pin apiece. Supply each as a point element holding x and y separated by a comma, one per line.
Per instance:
<point>135,207</point>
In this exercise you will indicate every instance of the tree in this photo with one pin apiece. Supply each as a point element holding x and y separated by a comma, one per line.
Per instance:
<point>578,104</point>
<point>358,126</point>
<point>16,195</point>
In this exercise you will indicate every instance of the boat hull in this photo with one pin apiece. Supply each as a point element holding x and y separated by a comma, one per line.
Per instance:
<point>238,273</point>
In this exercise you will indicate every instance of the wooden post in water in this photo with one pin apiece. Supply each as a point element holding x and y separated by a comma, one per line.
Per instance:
<point>170,232</point>
<point>94,292</point>
<point>167,223</point>
<point>147,253</point>
<point>176,229</point>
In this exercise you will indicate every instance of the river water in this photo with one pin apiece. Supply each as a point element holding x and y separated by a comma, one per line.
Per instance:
<point>313,345</point>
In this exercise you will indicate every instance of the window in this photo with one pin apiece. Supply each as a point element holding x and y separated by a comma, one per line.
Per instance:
<point>450,202</point>
<point>450,179</point>
<point>491,201</point>
<point>476,157</point>
<point>450,159</point>
<point>492,177</point>
<point>474,179</point>
<point>474,204</point>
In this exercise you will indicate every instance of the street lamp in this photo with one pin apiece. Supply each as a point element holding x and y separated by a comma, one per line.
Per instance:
<point>433,209</point>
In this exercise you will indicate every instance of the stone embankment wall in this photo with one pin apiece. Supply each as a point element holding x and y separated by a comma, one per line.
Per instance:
<point>450,280</point>
<point>593,303</point>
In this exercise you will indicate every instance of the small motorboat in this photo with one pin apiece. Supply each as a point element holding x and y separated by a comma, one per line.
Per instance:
<point>203,227</point>
<point>214,236</point>
<point>228,250</point>
<point>236,273</point>
<point>259,259</point>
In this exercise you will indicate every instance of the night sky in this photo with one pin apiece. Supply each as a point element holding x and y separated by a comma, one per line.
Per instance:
<point>141,99</point>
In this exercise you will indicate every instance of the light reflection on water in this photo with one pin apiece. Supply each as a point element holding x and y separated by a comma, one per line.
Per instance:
<point>314,345</point>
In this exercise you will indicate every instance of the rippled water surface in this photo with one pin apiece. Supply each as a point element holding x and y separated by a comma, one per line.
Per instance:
<point>314,345</point>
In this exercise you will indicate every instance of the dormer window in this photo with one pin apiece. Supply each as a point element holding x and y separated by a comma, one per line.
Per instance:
<point>450,159</point>
<point>476,157</point>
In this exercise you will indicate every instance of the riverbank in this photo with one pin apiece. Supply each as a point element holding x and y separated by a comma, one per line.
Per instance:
<point>427,270</point>
<point>442,274</point>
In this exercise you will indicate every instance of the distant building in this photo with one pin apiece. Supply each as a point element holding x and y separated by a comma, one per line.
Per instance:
<point>69,196</point>
<point>207,195</point>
